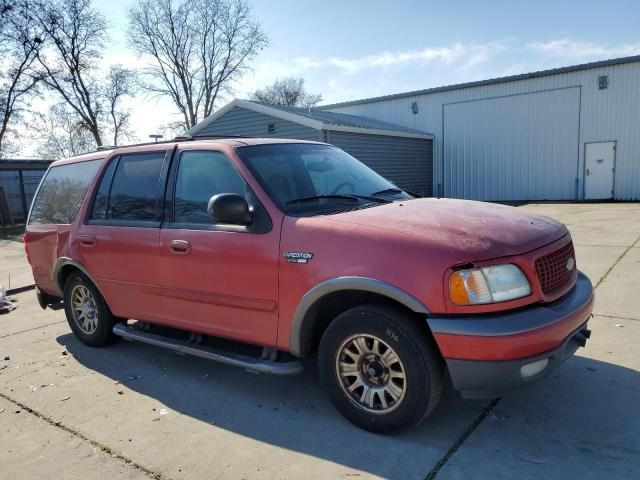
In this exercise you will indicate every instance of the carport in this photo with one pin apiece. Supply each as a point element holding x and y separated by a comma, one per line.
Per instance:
<point>401,154</point>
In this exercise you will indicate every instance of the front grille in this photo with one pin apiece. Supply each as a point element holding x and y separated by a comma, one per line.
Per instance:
<point>552,268</point>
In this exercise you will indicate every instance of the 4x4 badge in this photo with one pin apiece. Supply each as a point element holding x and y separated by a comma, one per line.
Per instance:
<point>297,257</point>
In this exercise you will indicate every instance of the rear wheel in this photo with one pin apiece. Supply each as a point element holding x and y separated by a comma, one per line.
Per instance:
<point>87,313</point>
<point>382,372</point>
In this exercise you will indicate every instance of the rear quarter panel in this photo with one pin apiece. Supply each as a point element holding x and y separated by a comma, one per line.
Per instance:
<point>46,243</point>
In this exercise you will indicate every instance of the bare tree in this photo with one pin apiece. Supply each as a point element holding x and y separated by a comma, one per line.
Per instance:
<point>119,86</point>
<point>70,61</point>
<point>198,48</point>
<point>19,38</point>
<point>59,133</point>
<point>288,91</point>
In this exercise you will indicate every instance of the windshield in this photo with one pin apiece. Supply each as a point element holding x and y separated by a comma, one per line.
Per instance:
<point>308,179</point>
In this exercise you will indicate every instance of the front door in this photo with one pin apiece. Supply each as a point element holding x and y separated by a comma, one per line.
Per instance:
<point>218,279</point>
<point>599,170</point>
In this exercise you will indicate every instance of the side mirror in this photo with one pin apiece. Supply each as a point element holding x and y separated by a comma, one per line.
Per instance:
<point>229,208</point>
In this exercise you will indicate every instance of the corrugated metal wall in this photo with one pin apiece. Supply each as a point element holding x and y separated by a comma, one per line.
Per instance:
<point>405,161</point>
<point>505,148</point>
<point>605,115</point>
<point>408,162</point>
<point>10,179</point>
<point>242,122</point>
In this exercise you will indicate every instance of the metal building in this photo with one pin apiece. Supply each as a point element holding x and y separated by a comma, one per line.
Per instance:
<point>20,179</point>
<point>400,153</point>
<point>569,133</point>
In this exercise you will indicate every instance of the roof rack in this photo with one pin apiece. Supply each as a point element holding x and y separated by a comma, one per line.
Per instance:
<point>179,138</point>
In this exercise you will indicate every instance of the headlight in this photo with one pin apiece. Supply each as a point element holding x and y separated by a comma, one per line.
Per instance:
<point>497,283</point>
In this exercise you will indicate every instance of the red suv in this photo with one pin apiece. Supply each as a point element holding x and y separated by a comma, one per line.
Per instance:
<point>257,252</point>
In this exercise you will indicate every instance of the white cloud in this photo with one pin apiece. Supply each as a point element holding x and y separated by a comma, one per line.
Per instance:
<point>466,55</point>
<point>338,78</point>
<point>576,50</point>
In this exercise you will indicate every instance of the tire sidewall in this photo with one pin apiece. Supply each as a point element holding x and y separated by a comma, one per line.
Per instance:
<point>103,333</point>
<point>418,382</point>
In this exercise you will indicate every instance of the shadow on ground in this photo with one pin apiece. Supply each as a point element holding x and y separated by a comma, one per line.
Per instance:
<point>582,422</point>
<point>294,413</point>
<point>290,412</point>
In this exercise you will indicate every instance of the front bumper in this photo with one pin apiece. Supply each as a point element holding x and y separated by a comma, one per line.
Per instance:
<point>485,353</point>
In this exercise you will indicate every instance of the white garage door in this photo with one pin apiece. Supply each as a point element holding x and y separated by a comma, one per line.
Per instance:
<point>519,147</point>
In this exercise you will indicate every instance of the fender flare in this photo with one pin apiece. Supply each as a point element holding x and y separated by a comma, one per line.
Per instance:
<point>65,261</point>
<point>362,284</point>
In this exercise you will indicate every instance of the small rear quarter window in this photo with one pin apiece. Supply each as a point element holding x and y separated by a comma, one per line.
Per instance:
<point>61,192</point>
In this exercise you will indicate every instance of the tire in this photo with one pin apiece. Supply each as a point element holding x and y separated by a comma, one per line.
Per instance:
<point>410,387</point>
<point>93,325</point>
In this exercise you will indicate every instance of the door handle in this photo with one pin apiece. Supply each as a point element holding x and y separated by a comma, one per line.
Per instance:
<point>88,240</point>
<point>180,247</point>
<point>588,172</point>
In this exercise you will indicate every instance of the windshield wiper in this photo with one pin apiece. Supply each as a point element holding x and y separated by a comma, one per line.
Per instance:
<point>319,197</point>
<point>388,190</point>
<point>339,197</point>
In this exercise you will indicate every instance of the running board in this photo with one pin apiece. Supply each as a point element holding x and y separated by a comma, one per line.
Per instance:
<point>252,364</point>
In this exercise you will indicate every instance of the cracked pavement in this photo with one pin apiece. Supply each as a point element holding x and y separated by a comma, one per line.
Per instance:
<point>135,411</point>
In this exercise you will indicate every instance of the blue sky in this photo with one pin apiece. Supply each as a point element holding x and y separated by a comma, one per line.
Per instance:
<point>355,49</point>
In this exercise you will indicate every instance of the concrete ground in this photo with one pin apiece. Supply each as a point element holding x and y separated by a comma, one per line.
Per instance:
<point>133,411</point>
<point>15,271</point>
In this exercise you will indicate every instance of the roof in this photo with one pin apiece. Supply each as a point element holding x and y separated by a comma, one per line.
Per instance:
<point>169,144</point>
<point>317,119</point>
<point>24,164</point>
<point>491,81</point>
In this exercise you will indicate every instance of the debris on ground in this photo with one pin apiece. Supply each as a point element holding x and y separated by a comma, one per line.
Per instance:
<point>7,358</point>
<point>63,399</point>
<point>7,304</point>
<point>619,325</point>
<point>1,410</point>
<point>164,411</point>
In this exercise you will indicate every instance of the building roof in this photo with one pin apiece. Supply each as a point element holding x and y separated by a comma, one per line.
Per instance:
<point>316,119</point>
<point>491,81</point>
<point>24,164</point>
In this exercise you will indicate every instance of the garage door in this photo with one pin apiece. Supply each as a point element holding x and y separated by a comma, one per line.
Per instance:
<point>519,147</point>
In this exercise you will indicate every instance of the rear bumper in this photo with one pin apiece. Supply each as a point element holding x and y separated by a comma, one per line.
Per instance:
<point>485,353</point>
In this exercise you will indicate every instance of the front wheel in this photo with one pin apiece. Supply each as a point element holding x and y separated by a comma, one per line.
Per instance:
<point>382,372</point>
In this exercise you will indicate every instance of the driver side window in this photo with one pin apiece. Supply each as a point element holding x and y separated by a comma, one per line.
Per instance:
<point>202,174</point>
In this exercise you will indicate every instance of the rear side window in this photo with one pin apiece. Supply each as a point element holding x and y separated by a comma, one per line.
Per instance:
<point>200,176</point>
<point>129,189</point>
<point>61,192</point>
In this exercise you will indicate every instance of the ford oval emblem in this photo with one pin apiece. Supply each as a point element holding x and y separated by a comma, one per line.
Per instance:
<point>571,263</point>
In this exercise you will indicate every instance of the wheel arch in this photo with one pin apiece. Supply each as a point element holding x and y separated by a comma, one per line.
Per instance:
<point>319,306</point>
<point>64,267</point>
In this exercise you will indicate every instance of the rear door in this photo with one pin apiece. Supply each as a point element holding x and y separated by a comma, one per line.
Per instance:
<point>119,242</point>
<point>55,207</point>
<point>218,279</point>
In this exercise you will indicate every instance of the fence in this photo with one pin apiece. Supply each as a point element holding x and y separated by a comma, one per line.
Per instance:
<point>20,179</point>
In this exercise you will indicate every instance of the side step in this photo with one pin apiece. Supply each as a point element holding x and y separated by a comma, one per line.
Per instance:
<point>252,364</point>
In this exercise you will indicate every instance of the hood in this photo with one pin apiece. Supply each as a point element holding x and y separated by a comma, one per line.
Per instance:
<point>474,231</point>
